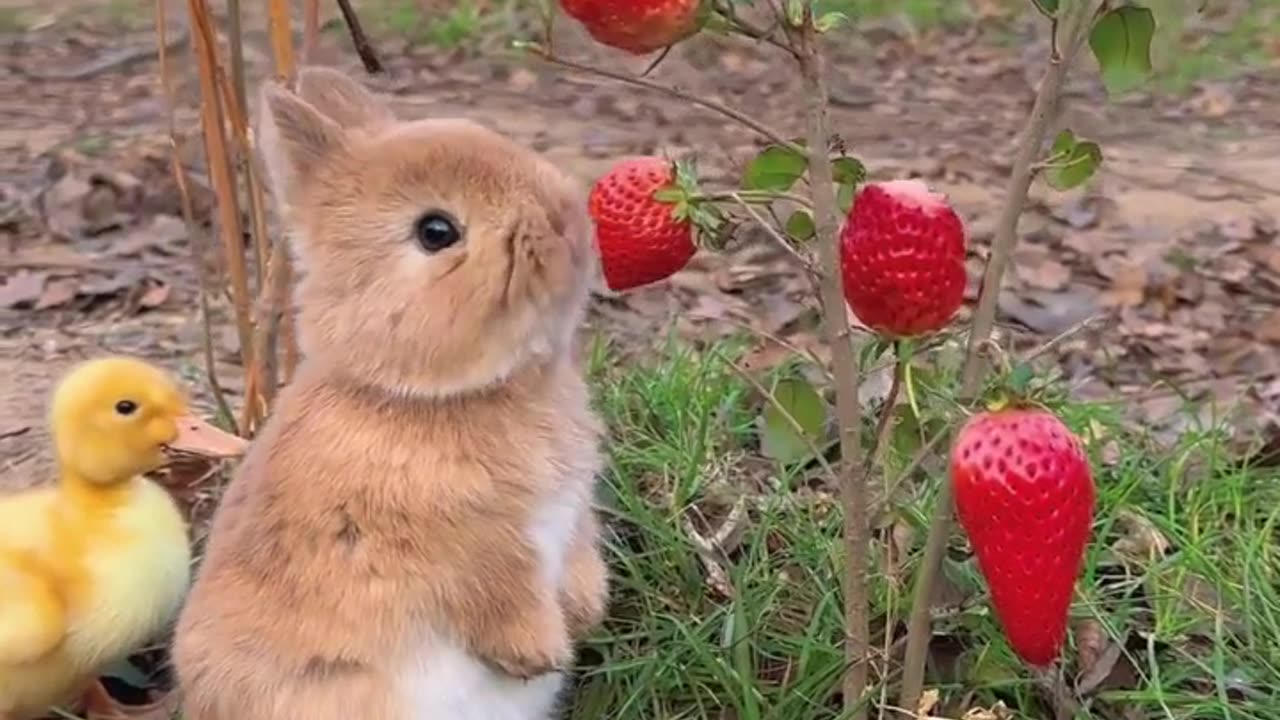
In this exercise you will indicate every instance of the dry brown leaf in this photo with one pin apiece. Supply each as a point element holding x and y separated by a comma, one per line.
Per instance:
<point>928,700</point>
<point>155,295</point>
<point>1047,274</point>
<point>1091,640</point>
<point>1268,328</point>
<point>996,712</point>
<point>57,293</point>
<point>1128,281</point>
<point>1140,539</point>
<point>22,288</point>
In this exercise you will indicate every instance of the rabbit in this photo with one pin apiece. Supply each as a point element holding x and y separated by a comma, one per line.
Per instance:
<point>411,535</point>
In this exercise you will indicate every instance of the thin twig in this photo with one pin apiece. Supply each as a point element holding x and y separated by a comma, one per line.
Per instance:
<point>221,178</point>
<point>884,426</point>
<point>813,358</point>
<point>848,374</point>
<point>195,235</point>
<point>281,31</point>
<point>274,312</point>
<point>786,415</point>
<point>772,231</point>
<point>755,32</point>
<point>1060,338</point>
<point>762,197</point>
<point>310,30</point>
<point>235,30</point>
<point>699,100</point>
<point>924,453</point>
<point>364,48</point>
<point>1074,25</point>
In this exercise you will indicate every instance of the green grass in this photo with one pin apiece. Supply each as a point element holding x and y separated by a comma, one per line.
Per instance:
<point>466,23</point>
<point>1184,52</point>
<point>1199,626</point>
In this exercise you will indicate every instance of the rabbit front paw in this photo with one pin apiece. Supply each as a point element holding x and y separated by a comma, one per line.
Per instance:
<point>533,648</point>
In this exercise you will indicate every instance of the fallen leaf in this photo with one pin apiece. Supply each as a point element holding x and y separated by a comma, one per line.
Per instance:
<point>928,700</point>
<point>1048,274</point>
<point>23,288</point>
<point>1268,328</point>
<point>57,293</point>
<point>1128,281</point>
<point>1140,540</point>
<point>996,712</point>
<point>155,295</point>
<point>62,206</point>
<point>1097,655</point>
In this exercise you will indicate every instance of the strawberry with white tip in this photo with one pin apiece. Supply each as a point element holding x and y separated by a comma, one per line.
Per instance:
<point>902,252</point>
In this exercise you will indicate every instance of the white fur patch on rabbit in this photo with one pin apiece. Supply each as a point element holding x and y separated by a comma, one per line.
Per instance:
<point>447,682</point>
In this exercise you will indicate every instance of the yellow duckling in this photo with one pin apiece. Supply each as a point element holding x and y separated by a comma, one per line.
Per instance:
<point>95,565</point>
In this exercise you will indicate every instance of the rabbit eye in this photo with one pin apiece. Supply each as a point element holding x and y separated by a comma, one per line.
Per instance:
<point>436,231</point>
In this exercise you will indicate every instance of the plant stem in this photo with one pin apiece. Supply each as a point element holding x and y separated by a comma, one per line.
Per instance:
<point>364,48</point>
<point>699,100</point>
<point>222,179</point>
<point>773,233</point>
<point>1073,25</point>
<point>310,30</point>
<point>196,236</point>
<point>848,374</point>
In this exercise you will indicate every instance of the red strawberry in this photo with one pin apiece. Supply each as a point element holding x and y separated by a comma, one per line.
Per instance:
<point>1024,495</point>
<point>902,258</point>
<point>641,238</point>
<point>638,26</point>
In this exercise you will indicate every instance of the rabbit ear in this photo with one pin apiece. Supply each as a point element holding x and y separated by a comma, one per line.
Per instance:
<point>295,138</point>
<point>341,98</point>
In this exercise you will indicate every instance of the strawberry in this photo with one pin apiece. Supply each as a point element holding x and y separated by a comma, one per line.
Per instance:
<point>902,258</point>
<point>643,228</point>
<point>1024,495</point>
<point>638,26</point>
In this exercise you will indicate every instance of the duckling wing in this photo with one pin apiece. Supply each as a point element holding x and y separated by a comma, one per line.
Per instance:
<point>32,615</point>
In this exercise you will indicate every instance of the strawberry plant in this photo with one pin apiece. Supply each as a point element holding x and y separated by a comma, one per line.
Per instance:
<point>891,254</point>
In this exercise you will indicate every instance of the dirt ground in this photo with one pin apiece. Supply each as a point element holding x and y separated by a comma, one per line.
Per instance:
<point>1173,247</point>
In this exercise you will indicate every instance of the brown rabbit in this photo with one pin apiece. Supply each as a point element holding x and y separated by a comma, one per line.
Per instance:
<point>410,536</point>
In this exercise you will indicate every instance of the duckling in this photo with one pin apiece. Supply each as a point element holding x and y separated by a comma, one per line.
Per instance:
<point>96,563</point>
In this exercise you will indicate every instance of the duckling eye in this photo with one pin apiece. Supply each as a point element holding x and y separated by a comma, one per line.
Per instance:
<point>126,407</point>
<point>436,231</point>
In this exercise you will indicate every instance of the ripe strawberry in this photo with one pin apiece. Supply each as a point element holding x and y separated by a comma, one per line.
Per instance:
<point>638,26</point>
<point>902,257</point>
<point>641,238</point>
<point>1024,495</point>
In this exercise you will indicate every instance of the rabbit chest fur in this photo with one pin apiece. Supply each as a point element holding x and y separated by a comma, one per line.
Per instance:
<point>411,535</point>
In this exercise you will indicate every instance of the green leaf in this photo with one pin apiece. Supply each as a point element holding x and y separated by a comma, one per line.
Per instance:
<point>1048,8</point>
<point>800,226</point>
<point>775,168</point>
<point>1071,161</point>
<point>844,198</point>
<point>832,20</point>
<point>848,171</point>
<point>1121,42</point>
<point>778,437</point>
<point>1020,377</point>
<point>872,351</point>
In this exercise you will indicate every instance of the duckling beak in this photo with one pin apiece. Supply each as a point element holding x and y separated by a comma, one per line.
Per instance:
<point>197,437</point>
